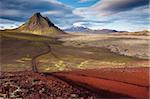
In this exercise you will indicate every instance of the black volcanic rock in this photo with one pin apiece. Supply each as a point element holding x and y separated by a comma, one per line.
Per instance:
<point>40,25</point>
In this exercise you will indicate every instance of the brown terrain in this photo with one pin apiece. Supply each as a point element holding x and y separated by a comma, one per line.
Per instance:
<point>68,67</point>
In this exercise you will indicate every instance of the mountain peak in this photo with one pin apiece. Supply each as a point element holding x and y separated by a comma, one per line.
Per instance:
<point>38,19</point>
<point>37,14</point>
<point>39,25</point>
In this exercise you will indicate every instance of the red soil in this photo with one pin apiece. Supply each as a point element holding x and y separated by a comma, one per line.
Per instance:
<point>93,84</point>
<point>133,82</point>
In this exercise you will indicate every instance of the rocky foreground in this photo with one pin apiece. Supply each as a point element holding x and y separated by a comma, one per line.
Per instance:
<point>31,85</point>
<point>106,83</point>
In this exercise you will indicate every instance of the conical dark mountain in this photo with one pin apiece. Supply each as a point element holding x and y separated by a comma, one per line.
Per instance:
<point>40,25</point>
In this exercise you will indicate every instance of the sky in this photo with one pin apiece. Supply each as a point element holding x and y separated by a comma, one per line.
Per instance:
<point>123,15</point>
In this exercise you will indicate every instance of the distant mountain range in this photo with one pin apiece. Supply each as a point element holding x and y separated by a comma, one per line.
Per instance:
<point>87,30</point>
<point>76,29</point>
<point>39,25</point>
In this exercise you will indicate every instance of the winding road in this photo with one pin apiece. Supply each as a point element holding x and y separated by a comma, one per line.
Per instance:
<point>34,59</point>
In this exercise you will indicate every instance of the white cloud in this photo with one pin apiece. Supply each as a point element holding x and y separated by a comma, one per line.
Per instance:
<point>76,24</point>
<point>9,24</point>
<point>117,25</point>
<point>53,1</point>
<point>52,12</point>
<point>109,7</point>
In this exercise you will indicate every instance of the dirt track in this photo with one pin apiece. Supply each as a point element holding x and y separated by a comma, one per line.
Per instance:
<point>34,62</point>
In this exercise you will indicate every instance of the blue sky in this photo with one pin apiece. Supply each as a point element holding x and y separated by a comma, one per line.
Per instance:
<point>124,15</point>
<point>79,3</point>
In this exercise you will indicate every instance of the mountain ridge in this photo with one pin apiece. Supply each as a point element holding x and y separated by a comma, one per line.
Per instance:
<point>87,30</point>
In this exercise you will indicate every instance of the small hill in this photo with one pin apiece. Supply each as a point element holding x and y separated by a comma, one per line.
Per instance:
<point>141,33</point>
<point>137,33</point>
<point>40,25</point>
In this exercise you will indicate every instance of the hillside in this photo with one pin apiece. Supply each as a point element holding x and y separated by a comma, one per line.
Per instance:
<point>39,25</point>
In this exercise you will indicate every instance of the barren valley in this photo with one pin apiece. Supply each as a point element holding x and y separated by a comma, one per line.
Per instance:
<point>48,63</point>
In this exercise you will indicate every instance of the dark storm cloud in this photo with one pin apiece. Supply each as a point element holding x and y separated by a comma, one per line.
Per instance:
<point>122,5</point>
<point>29,5</point>
<point>16,8</point>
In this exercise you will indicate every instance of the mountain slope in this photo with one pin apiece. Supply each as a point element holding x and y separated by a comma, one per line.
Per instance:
<point>40,25</point>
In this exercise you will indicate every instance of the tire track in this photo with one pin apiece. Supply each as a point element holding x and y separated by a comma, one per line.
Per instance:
<point>34,62</point>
